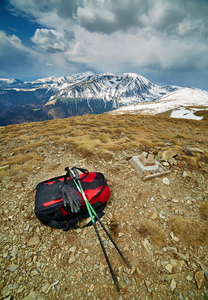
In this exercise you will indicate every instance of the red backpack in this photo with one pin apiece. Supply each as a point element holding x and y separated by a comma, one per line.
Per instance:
<point>49,206</point>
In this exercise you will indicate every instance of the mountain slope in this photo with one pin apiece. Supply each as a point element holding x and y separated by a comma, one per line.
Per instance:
<point>160,224</point>
<point>85,93</point>
<point>185,99</point>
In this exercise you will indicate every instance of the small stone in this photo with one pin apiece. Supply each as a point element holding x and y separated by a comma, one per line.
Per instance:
<point>92,287</point>
<point>116,217</point>
<point>3,168</point>
<point>71,259</point>
<point>86,251</point>
<point>147,245</point>
<point>153,214</point>
<point>14,252</point>
<point>46,288</point>
<point>79,275</point>
<point>199,277</point>
<point>172,249</point>
<point>148,285</point>
<point>33,241</point>
<point>34,272</point>
<point>173,285</point>
<point>35,296</point>
<point>189,278</point>
<point>186,174</point>
<point>177,263</point>
<point>5,291</point>
<point>133,269</point>
<point>126,279</point>
<point>120,234</point>
<point>182,256</point>
<point>13,268</point>
<point>169,268</point>
<point>175,238</point>
<point>166,180</point>
<point>175,200</point>
<point>73,249</point>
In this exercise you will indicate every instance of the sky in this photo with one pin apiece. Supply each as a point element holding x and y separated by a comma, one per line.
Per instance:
<point>165,41</point>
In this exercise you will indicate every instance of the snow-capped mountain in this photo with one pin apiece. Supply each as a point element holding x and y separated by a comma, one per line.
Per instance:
<point>182,103</point>
<point>121,90</point>
<point>84,93</point>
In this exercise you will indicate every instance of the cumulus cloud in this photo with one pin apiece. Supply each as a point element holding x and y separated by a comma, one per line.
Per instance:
<point>119,36</point>
<point>52,41</point>
<point>12,53</point>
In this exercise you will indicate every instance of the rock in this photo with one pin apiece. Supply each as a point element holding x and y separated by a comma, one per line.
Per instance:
<point>182,256</point>
<point>120,234</point>
<point>79,275</point>
<point>177,263</point>
<point>199,277</point>
<point>34,272</point>
<point>148,284</point>
<point>13,268</point>
<point>147,245</point>
<point>3,168</point>
<point>35,296</point>
<point>153,214</point>
<point>5,291</point>
<point>172,249</point>
<point>116,217</point>
<point>169,268</point>
<point>175,238</point>
<point>172,285</point>
<point>147,159</point>
<point>195,149</point>
<point>166,180</point>
<point>175,200</point>
<point>71,259</point>
<point>14,252</point>
<point>126,279</point>
<point>189,278</point>
<point>73,249</point>
<point>186,174</point>
<point>46,288</point>
<point>33,241</point>
<point>133,269</point>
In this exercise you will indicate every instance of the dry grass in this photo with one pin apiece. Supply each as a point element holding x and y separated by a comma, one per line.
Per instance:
<point>155,233</point>
<point>204,211</point>
<point>104,136</point>
<point>192,232</point>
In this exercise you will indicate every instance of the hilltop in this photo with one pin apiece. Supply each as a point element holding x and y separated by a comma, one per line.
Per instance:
<point>161,224</point>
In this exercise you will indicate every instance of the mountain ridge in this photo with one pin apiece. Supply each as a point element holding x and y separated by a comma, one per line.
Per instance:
<point>65,96</point>
<point>83,93</point>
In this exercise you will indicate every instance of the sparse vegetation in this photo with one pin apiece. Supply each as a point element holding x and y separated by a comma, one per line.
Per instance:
<point>192,232</point>
<point>154,232</point>
<point>138,214</point>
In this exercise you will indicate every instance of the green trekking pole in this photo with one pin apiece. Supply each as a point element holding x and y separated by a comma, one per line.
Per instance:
<point>91,212</point>
<point>97,217</point>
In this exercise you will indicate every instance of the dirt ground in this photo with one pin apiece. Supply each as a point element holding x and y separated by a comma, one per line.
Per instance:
<point>160,224</point>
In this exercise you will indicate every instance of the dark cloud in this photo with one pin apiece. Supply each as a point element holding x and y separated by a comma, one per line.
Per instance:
<point>68,8</point>
<point>69,35</point>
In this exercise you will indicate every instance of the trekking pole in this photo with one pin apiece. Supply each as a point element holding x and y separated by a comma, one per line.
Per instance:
<point>91,212</point>
<point>97,217</point>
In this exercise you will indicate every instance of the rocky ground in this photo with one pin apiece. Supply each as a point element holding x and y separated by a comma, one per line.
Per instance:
<point>161,224</point>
